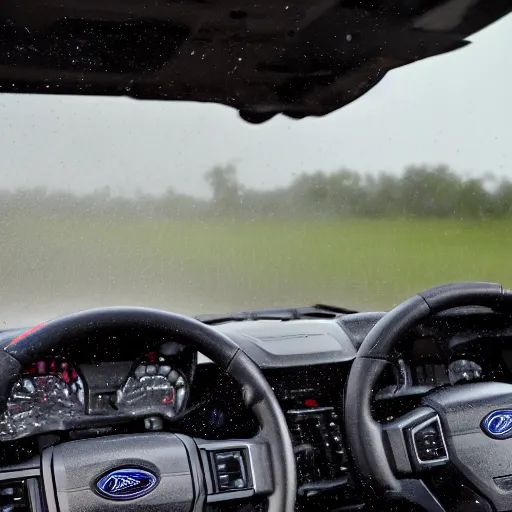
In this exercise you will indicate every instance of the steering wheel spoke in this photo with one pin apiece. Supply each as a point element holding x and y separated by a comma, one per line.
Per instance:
<point>416,441</point>
<point>236,469</point>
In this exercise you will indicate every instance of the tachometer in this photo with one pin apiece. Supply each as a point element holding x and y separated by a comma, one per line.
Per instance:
<point>154,384</point>
<point>48,390</point>
<point>464,370</point>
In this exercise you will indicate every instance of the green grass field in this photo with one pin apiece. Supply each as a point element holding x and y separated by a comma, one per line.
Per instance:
<point>47,268</point>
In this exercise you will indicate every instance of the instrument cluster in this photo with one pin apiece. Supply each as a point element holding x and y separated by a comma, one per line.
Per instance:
<point>57,394</point>
<point>154,383</point>
<point>47,389</point>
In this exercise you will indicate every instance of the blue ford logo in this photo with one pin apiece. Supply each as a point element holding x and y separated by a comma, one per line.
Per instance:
<point>126,484</point>
<point>498,424</point>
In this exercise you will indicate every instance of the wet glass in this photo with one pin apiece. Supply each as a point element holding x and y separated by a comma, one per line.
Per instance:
<point>187,207</point>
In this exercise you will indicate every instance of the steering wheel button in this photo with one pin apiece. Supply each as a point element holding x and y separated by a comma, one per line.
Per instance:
<point>230,469</point>
<point>429,442</point>
<point>224,481</point>
<point>239,483</point>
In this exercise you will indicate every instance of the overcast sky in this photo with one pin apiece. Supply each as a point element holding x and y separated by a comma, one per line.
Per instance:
<point>455,109</point>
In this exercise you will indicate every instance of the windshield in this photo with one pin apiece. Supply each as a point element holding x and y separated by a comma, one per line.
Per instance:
<point>186,207</point>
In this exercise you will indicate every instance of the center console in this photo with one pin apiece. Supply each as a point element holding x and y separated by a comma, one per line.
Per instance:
<point>314,415</point>
<point>316,434</point>
<point>312,401</point>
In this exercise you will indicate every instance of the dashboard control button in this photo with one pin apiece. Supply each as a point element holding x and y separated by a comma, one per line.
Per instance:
<point>224,481</point>
<point>429,443</point>
<point>230,470</point>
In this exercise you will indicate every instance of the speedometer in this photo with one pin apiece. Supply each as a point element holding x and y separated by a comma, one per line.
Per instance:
<point>48,390</point>
<point>463,370</point>
<point>154,384</point>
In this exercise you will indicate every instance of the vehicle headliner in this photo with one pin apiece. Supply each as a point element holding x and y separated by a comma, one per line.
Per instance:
<point>290,57</point>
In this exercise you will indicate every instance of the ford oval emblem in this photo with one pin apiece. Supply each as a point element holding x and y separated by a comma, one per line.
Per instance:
<point>126,483</point>
<point>498,424</point>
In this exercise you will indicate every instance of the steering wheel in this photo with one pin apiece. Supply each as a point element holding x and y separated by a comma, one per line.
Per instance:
<point>469,426</point>
<point>161,471</point>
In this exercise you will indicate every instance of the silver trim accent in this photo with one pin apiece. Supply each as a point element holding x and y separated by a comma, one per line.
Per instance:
<point>311,410</point>
<point>19,474</point>
<point>434,419</point>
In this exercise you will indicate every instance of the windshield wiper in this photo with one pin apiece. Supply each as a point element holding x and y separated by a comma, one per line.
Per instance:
<point>282,314</point>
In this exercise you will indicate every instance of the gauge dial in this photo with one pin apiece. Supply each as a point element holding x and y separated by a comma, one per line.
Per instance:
<point>464,370</point>
<point>48,390</point>
<point>154,384</point>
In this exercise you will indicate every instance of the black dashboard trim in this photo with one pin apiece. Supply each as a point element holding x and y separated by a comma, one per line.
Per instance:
<point>285,344</point>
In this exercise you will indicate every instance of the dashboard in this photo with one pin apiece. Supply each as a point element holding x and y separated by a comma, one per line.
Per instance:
<point>124,387</point>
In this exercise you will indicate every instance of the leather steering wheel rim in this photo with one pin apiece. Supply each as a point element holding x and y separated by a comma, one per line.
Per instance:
<point>46,338</point>
<point>364,437</point>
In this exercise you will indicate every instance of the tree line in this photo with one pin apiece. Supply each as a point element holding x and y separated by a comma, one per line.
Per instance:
<point>418,191</point>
